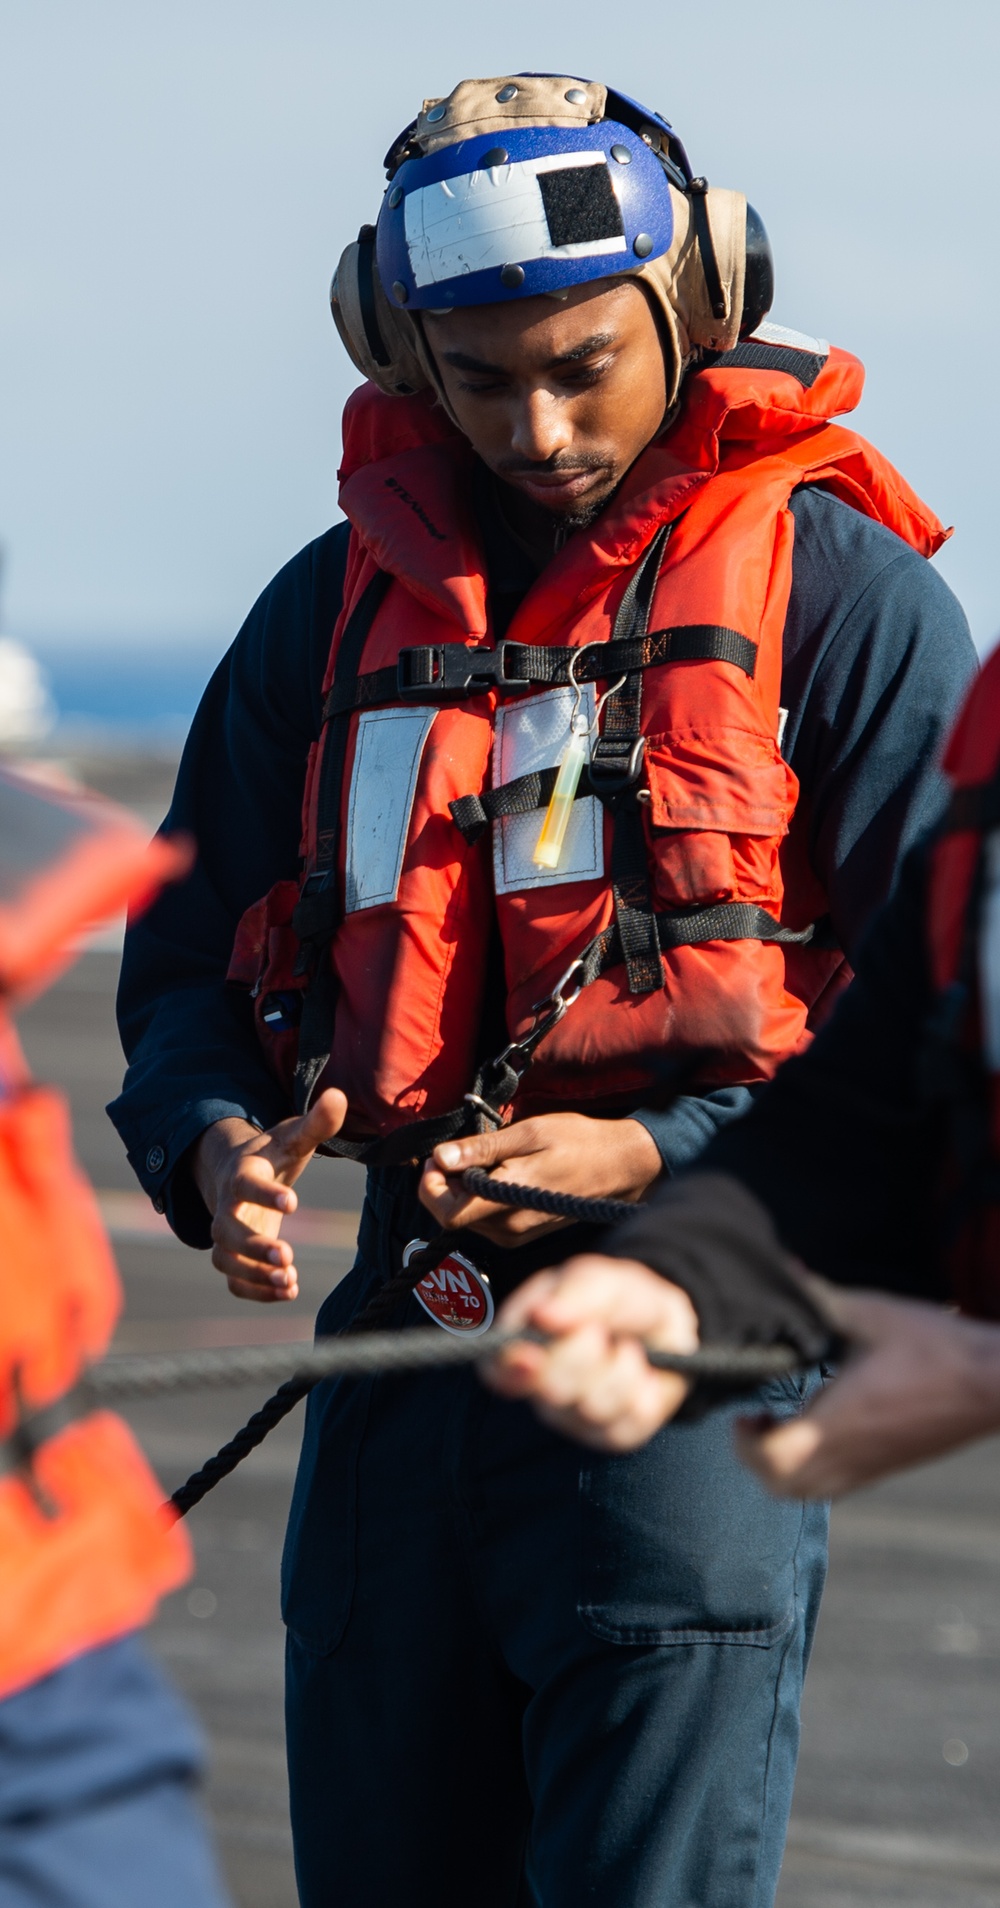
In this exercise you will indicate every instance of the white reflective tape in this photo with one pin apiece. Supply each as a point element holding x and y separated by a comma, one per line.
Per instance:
<point>793,340</point>
<point>531,734</point>
<point>989,953</point>
<point>490,218</point>
<point>782,724</point>
<point>387,757</point>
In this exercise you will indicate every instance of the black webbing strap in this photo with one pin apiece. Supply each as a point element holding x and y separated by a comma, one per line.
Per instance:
<point>697,193</point>
<point>726,921</point>
<point>692,927</point>
<point>472,814</point>
<point>35,1428</point>
<point>319,907</point>
<point>438,671</point>
<point>615,764</point>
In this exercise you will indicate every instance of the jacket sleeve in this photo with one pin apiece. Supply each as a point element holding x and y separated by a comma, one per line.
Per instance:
<point>193,1056</point>
<point>877,655</point>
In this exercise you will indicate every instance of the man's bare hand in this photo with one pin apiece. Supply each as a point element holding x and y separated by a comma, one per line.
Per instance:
<point>565,1151</point>
<point>246,1179</point>
<point>920,1383</point>
<point>594,1381</point>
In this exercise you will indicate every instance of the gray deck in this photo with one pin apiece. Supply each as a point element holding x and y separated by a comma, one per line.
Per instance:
<point>908,1656</point>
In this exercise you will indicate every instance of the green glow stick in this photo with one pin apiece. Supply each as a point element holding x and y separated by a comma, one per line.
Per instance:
<point>574,757</point>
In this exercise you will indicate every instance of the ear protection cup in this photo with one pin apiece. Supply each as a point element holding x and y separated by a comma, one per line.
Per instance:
<point>379,339</point>
<point>758,280</point>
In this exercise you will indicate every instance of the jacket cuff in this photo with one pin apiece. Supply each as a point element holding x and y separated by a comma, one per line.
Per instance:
<point>163,1168</point>
<point>708,1234</point>
<point>681,1131</point>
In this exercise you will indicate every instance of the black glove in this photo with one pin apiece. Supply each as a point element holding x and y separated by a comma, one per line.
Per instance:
<point>709,1235</point>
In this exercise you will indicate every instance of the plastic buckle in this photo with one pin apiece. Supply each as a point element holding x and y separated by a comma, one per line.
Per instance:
<point>611,770</point>
<point>449,669</point>
<point>422,678</point>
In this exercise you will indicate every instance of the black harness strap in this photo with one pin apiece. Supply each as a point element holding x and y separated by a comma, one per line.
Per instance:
<point>728,921</point>
<point>472,814</point>
<point>438,671</point>
<point>614,771</point>
<point>32,1429</point>
<point>692,927</point>
<point>319,907</point>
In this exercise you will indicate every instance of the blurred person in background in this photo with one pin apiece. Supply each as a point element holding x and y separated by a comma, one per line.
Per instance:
<point>99,1759</point>
<point>580,754</point>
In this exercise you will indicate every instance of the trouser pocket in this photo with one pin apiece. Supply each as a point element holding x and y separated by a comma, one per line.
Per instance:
<point>679,1544</point>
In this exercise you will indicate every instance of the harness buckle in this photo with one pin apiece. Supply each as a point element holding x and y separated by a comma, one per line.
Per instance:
<point>450,669</point>
<point>616,765</point>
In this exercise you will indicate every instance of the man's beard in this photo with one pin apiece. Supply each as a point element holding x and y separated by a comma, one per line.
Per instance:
<point>559,524</point>
<point>566,521</point>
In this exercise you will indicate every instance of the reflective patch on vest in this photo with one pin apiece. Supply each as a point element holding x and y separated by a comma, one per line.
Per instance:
<point>989,953</point>
<point>387,757</point>
<point>529,735</point>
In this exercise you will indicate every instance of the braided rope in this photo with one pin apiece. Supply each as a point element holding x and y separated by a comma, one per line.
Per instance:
<point>256,1429</point>
<point>360,1355</point>
<point>364,1347</point>
<point>379,1309</point>
<point>559,1205</point>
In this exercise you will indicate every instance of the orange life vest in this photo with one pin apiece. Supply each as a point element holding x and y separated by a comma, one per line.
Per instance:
<point>87,1547</point>
<point>683,903</point>
<point>962,1055</point>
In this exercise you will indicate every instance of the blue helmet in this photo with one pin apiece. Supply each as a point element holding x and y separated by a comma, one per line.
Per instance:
<point>480,220</point>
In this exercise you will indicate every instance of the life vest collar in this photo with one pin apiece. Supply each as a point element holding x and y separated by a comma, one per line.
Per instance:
<point>405,484</point>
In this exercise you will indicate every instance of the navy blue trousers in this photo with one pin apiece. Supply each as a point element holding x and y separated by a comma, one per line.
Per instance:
<point>521,1673</point>
<point>98,1764</point>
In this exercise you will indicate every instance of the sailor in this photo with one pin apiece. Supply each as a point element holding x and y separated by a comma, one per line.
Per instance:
<point>539,808</point>
<point>890,1126</point>
<point>98,1757</point>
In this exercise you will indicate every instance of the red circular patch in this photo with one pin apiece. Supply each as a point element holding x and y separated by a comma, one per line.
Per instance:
<point>456,1296</point>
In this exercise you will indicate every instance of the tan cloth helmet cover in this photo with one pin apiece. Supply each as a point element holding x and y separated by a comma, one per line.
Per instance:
<point>676,280</point>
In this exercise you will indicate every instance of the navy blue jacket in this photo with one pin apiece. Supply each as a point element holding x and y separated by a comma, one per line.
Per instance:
<point>876,655</point>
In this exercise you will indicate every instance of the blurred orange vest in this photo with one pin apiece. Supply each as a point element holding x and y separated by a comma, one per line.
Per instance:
<point>85,1543</point>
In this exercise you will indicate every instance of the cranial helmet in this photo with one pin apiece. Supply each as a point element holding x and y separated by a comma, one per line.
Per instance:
<point>509,188</point>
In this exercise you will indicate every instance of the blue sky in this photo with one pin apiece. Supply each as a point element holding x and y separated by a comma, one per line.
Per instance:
<point>176,184</point>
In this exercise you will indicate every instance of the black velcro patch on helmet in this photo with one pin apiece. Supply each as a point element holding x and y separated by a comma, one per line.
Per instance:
<point>580,205</point>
